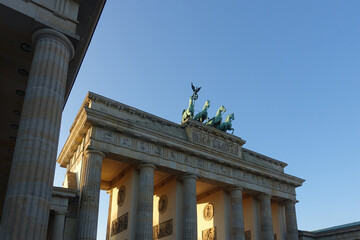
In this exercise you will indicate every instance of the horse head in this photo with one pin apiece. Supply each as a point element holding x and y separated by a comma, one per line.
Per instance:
<point>222,109</point>
<point>207,104</point>
<point>230,117</point>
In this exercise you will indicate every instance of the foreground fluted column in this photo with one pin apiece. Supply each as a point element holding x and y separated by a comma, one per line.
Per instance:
<point>189,208</point>
<point>237,215</point>
<point>291,223</point>
<point>266,225</point>
<point>59,224</point>
<point>144,217</point>
<point>27,202</point>
<point>89,195</point>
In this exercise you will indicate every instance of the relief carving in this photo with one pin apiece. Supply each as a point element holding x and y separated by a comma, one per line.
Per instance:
<point>214,142</point>
<point>162,205</point>
<point>209,234</point>
<point>158,150</point>
<point>125,142</point>
<point>187,159</point>
<point>208,212</point>
<point>173,154</point>
<point>200,162</point>
<point>163,229</point>
<point>143,146</point>
<point>108,136</point>
<point>120,224</point>
<point>121,196</point>
<point>248,235</point>
<point>201,138</point>
<point>224,170</point>
<point>212,167</point>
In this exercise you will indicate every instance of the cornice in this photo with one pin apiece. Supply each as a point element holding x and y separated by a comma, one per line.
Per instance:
<point>77,133</point>
<point>133,111</point>
<point>265,158</point>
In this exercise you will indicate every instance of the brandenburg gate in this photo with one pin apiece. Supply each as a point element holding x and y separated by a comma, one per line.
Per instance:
<point>166,180</point>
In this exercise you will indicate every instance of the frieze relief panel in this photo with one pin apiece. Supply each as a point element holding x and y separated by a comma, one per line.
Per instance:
<point>181,157</point>
<point>120,224</point>
<point>157,150</point>
<point>209,234</point>
<point>163,229</point>
<point>248,235</point>
<point>143,146</point>
<point>213,142</point>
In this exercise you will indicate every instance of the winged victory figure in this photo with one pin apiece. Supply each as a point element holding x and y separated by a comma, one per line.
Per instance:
<point>195,90</point>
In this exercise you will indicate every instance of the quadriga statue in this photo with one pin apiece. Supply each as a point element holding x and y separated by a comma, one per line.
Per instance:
<point>189,112</point>
<point>215,121</point>
<point>203,115</point>
<point>227,124</point>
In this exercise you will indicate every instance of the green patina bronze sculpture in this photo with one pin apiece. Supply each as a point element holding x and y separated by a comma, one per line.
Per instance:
<point>195,90</point>
<point>215,121</point>
<point>203,115</point>
<point>227,124</point>
<point>188,113</point>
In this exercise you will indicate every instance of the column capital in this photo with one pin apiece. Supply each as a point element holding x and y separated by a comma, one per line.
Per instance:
<point>56,35</point>
<point>186,176</point>
<point>57,212</point>
<point>144,165</point>
<point>265,196</point>
<point>94,151</point>
<point>236,187</point>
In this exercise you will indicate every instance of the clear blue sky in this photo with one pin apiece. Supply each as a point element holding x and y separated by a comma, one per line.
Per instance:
<point>289,70</point>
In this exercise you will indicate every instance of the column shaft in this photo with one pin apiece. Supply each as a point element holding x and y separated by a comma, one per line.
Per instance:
<point>237,215</point>
<point>89,195</point>
<point>144,217</point>
<point>189,208</point>
<point>27,202</point>
<point>59,225</point>
<point>291,223</point>
<point>267,232</point>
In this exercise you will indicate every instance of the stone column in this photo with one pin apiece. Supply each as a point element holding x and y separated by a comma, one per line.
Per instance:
<point>27,202</point>
<point>144,217</point>
<point>291,224</point>
<point>89,195</point>
<point>59,225</point>
<point>189,208</point>
<point>237,214</point>
<point>266,225</point>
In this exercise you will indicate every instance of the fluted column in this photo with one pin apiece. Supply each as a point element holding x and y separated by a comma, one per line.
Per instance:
<point>267,232</point>
<point>237,214</point>
<point>144,217</point>
<point>27,202</point>
<point>59,225</point>
<point>291,223</point>
<point>89,195</point>
<point>189,208</point>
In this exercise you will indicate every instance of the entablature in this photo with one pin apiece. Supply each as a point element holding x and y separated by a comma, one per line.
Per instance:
<point>192,147</point>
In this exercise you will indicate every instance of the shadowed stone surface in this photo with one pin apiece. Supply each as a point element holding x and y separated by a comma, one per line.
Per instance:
<point>27,202</point>
<point>89,195</point>
<point>266,218</point>
<point>291,223</point>
<point>190,210</point>
<point>144,219</point>
<point>237,215</point>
